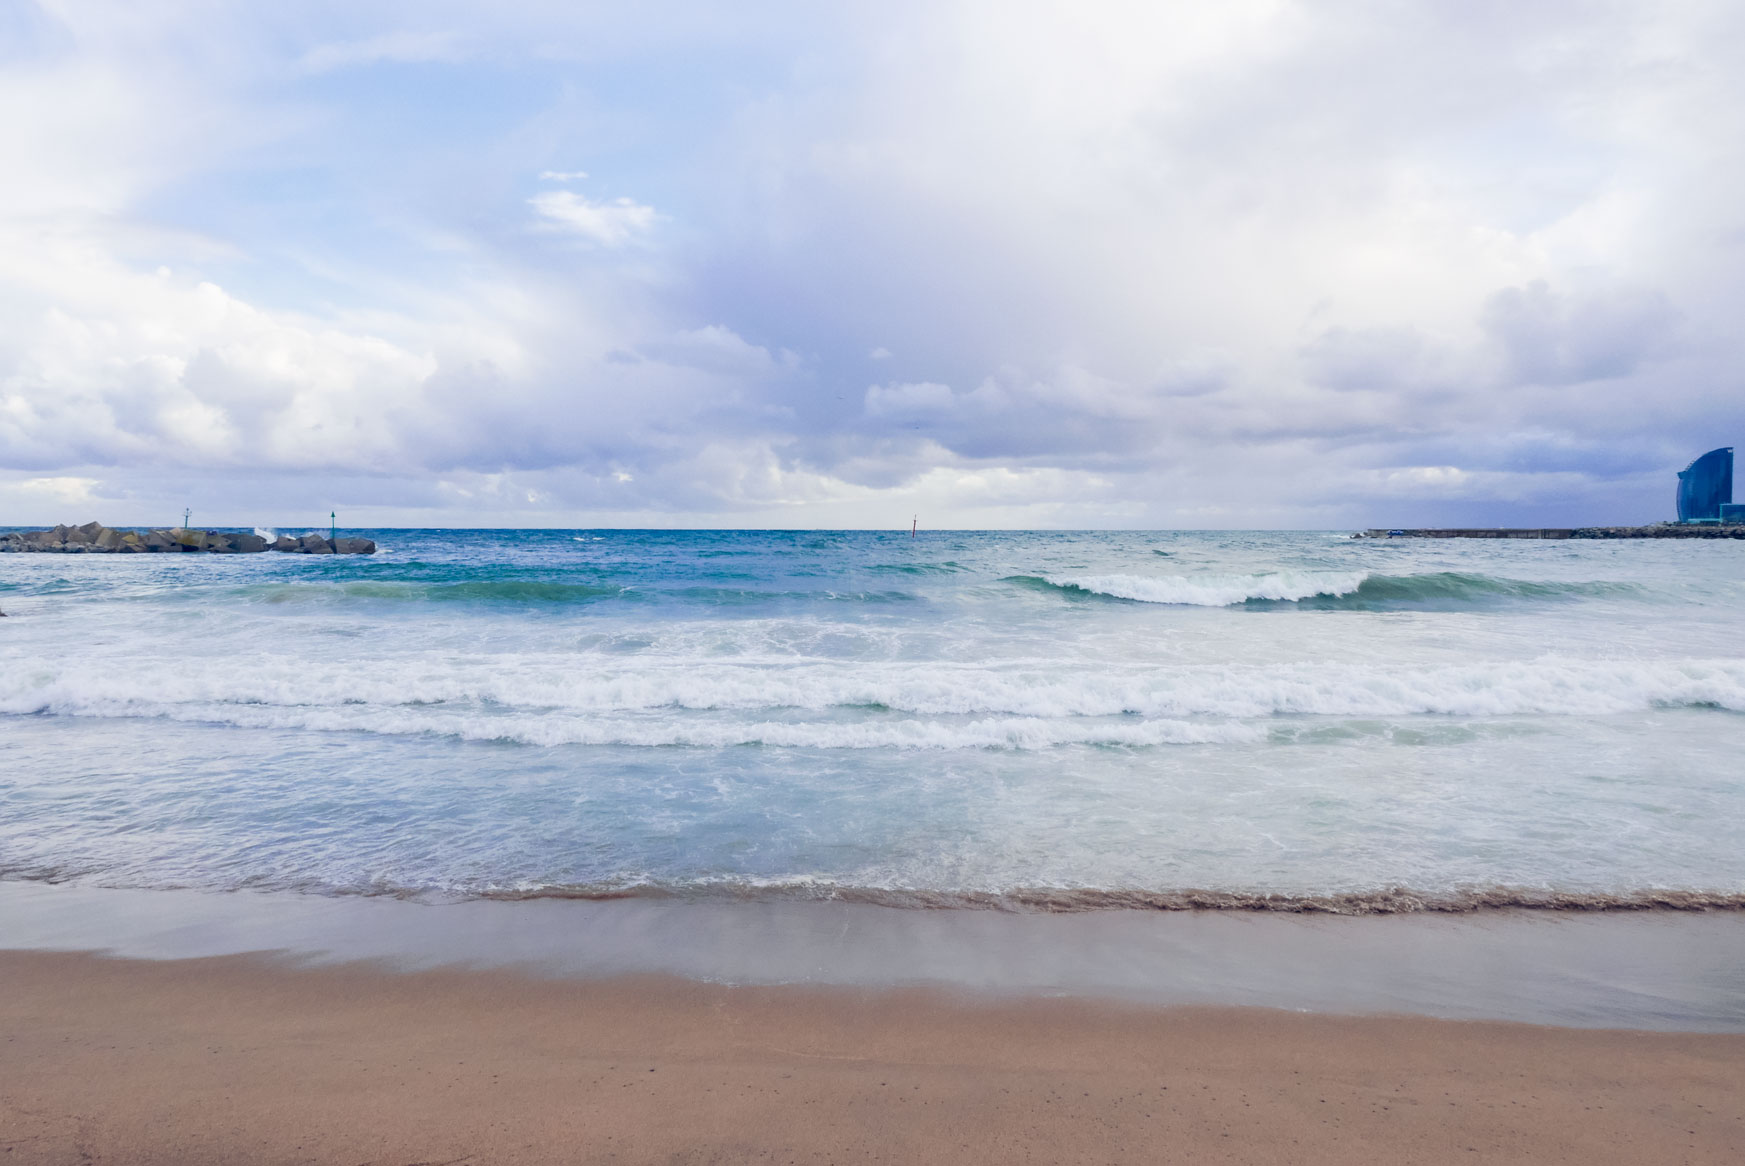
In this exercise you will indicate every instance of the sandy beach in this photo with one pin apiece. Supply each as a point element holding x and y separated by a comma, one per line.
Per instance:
<point>247,1060</point>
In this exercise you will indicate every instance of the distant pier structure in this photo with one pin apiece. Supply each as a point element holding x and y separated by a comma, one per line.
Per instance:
<point>1705,510</point>
<point>1705,489</point>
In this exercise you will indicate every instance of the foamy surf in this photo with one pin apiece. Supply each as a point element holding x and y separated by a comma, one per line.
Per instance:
<point>542,699</point>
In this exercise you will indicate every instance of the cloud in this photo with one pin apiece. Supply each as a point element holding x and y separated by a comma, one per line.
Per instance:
<point>402,47</point>
<point>1249,263</point>
<point>908,400</point>
<point>1552,339</point>
<point>124,368</point>
<point>66,490</point>
<point>610,224</point>
<point>1385,360</point>
<point>720,350</point>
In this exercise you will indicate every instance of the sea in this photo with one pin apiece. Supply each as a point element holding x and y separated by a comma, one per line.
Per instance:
<point>988,722</point>
<point>1048,721</point>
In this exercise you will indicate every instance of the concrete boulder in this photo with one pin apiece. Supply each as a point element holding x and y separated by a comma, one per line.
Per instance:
<point>95,538</point>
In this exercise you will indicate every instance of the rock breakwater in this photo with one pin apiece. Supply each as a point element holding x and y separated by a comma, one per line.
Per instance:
<point>1658,530</point>
<point>94,538</point>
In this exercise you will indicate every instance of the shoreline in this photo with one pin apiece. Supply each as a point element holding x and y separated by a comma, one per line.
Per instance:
<point>1665,970</point>
<point>1066,900</point>
<point>239,1059</point>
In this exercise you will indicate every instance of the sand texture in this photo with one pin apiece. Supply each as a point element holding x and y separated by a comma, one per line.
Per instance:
<point>240,1060</point>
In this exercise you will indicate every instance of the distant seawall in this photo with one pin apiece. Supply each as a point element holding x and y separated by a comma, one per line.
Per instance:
<point>96,539</point>
<point>1658,530</point>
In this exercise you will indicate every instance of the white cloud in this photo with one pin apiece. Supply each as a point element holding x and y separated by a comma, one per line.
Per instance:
<point>1429,478</point>
<point>610,224</point>
<point>105,365</point>
<point>402,47</point>
<point>562,175</point>
<point>65,489</point>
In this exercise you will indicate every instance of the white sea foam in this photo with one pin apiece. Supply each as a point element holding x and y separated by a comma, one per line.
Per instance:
<point>1216,590</point>
<point>1020,704</point>
<point>550,729</point>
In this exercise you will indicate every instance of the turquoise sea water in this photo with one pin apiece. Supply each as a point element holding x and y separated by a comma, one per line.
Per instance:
<point>1056,720</point>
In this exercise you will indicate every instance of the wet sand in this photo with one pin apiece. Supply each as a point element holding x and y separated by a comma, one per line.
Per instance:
<point>240,1059</point>
<point>1676,971</point>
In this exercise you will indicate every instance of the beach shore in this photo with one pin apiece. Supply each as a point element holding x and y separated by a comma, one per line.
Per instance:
<point>242,1059</point>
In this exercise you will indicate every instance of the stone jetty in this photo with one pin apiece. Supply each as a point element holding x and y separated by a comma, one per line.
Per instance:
<point>1658,530</point>
<point>96,539</point>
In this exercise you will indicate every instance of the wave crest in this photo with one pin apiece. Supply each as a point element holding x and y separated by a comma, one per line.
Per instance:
<point>1322,590</point>
<point>1215,590</point>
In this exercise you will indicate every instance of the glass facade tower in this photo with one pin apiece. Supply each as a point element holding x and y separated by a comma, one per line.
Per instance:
<point>1705,485</point>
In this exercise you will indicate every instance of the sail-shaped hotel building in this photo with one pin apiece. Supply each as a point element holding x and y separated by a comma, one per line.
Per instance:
<point>1705,489</point>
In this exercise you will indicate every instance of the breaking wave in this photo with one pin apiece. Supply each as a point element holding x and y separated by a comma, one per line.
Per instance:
<point>1455,589</point>
<point>864,705</point>
<point>1322,590</point>
<point>1198,590</point>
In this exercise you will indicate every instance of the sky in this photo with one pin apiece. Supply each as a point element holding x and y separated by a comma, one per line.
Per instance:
<point>984,263</point>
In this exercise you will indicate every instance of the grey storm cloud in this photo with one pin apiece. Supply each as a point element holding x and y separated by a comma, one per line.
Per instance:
<point>1555,340</point>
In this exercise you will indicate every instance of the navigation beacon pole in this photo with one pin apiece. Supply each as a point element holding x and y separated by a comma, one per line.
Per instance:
<point>914,524</point>
<point>333,527</point>
<point>186,515</point>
